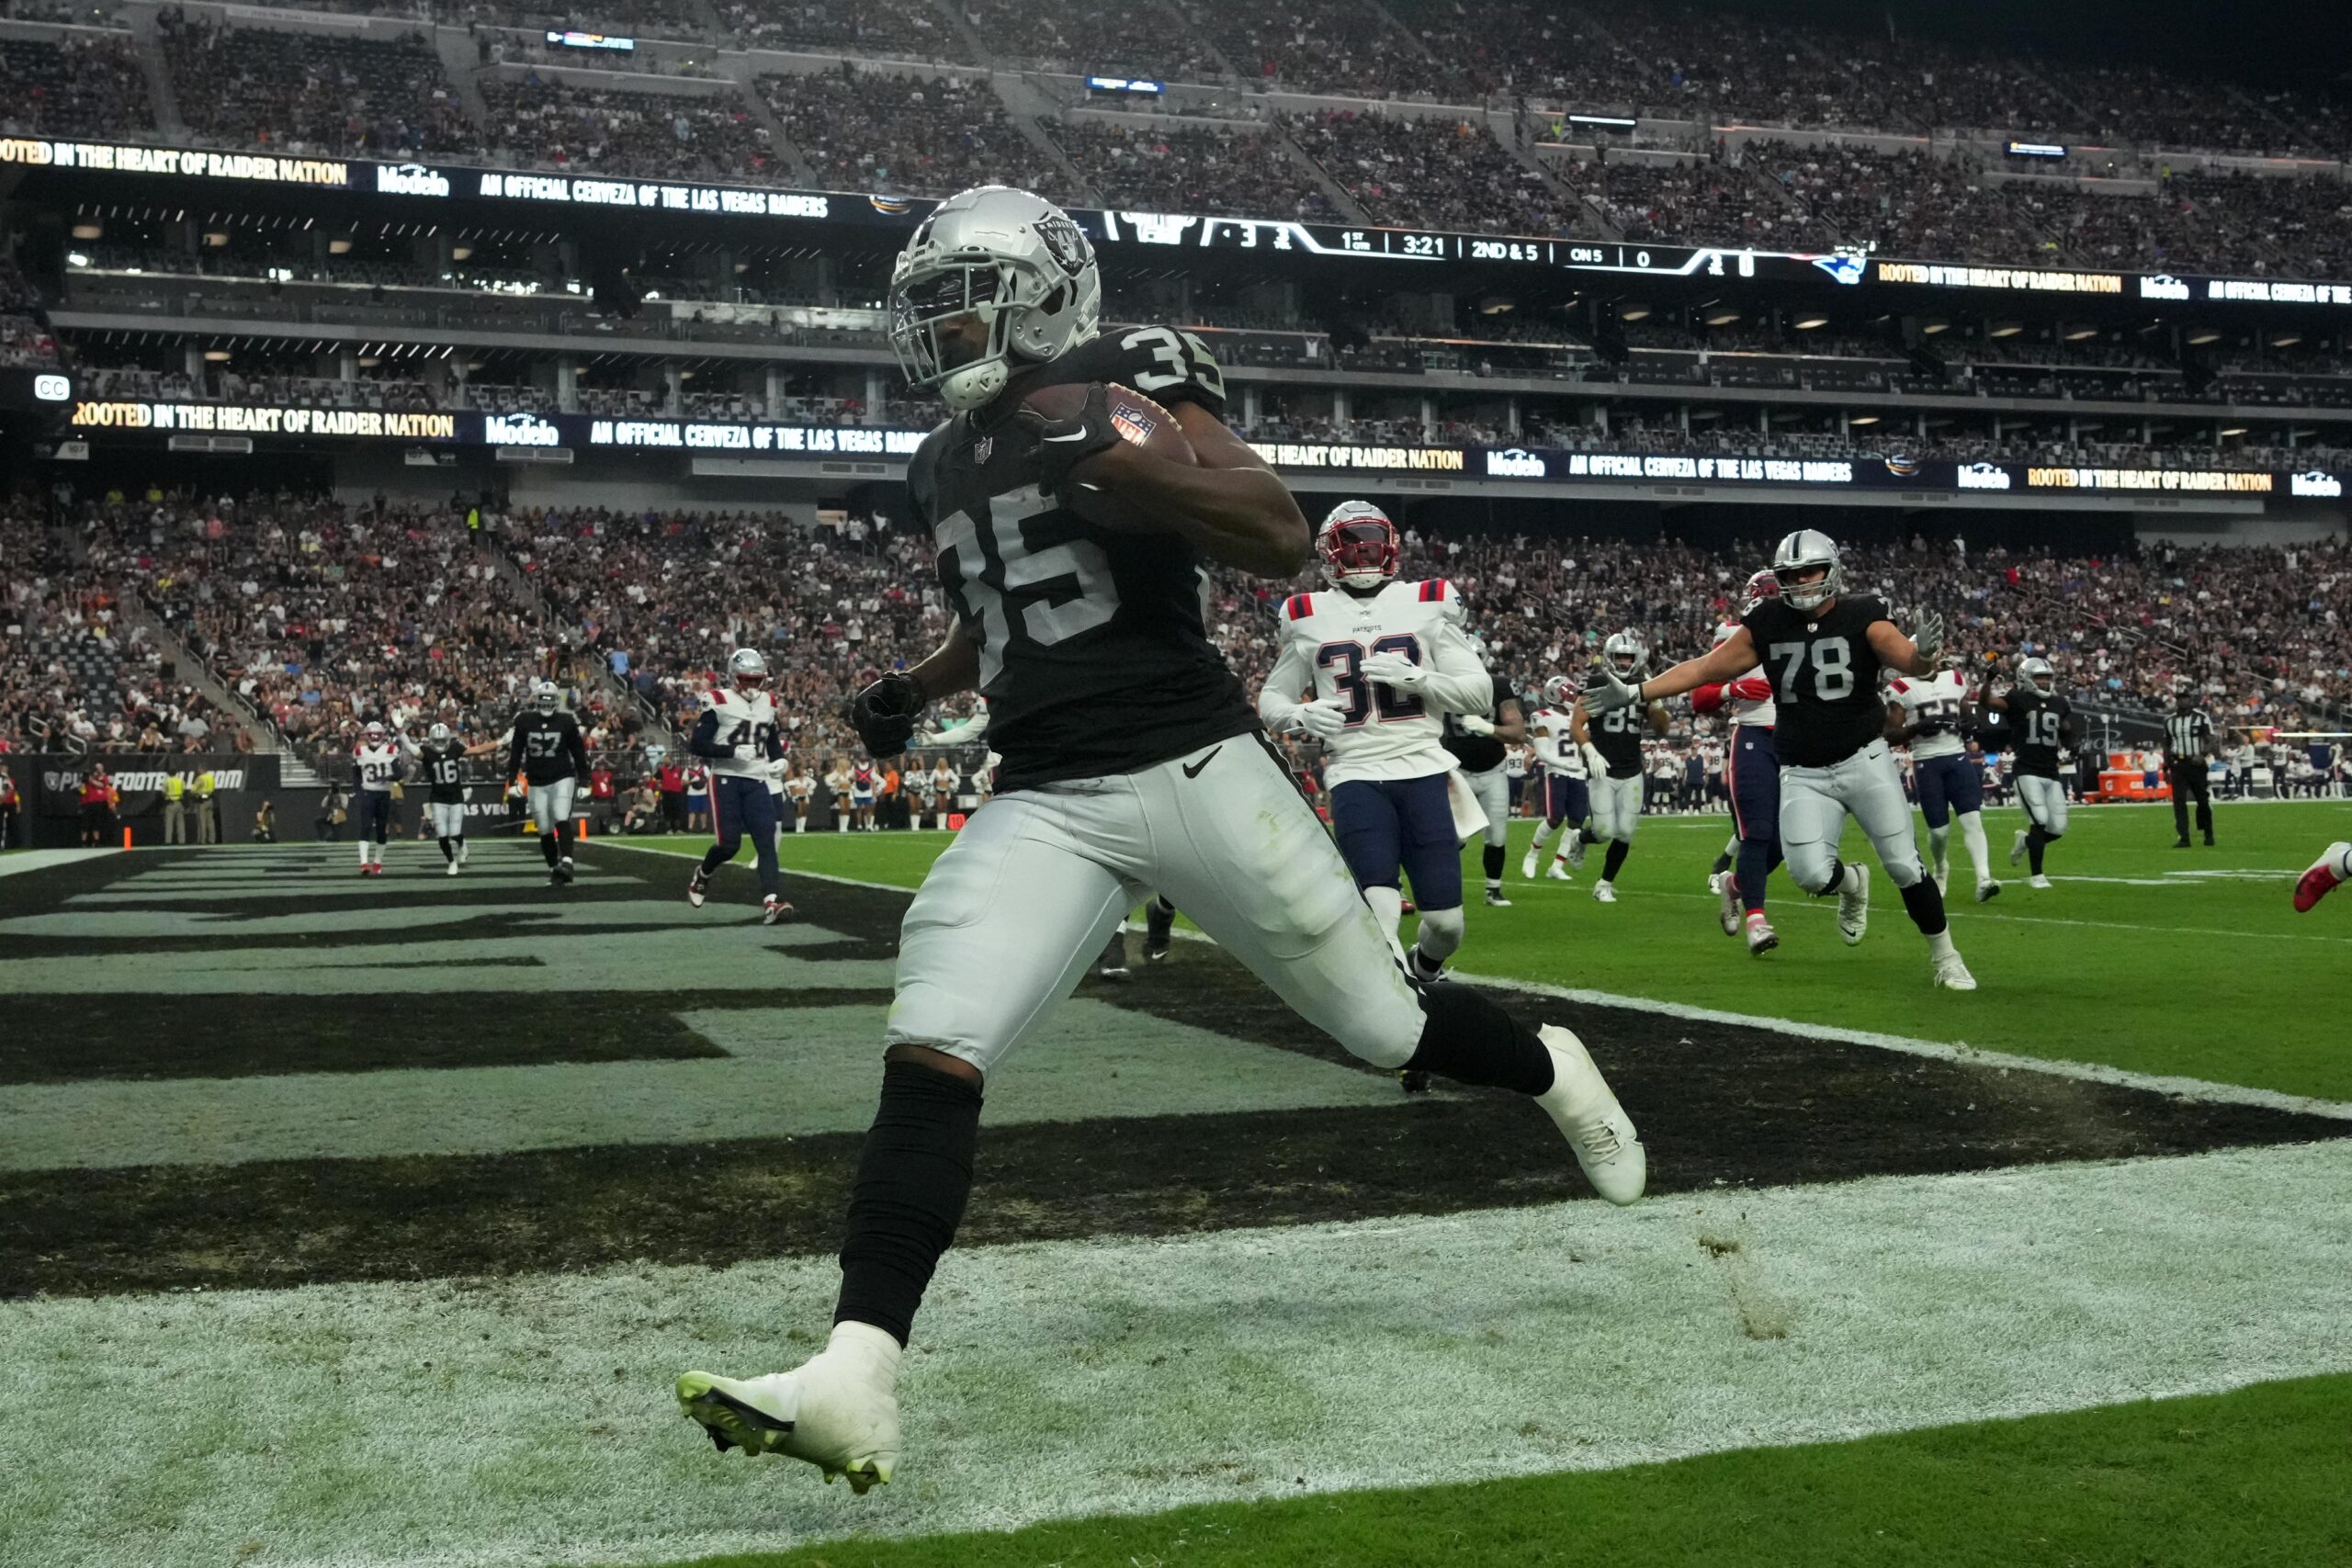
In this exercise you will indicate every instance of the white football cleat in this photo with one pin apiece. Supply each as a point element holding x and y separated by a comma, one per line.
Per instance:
<point>697,887</point>
<point>2016,848</point>
<point>2323,876</point>
<point>1495,900</point>
<point>1596,1127</point>
<point>1558,872</point>
<point>1761,938</point>
<point>774,909</point>
<point>1527,866</point>
<point>1575,852</point>
<point>1726,887</point>
<point>1603,893</point>
<point>2039,881</point>
<point>1854,902</point>
<point>453,869</point>
<point>1953,973</point>
<point>1987,891</point>
<point>830,1411</point>
<point>1943,879</point>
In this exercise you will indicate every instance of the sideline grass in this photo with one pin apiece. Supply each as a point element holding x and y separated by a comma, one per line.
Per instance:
<point>2256,1475</point>
<point>2189,963</point>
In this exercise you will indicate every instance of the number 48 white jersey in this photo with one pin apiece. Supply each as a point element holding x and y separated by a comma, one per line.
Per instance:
<point>1328,635</point>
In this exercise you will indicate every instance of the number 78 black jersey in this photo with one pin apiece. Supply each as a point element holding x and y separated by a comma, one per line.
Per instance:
<point>1824,677</point>
<point>1094,656</point>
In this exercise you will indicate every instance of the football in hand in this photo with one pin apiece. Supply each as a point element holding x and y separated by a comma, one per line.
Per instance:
<point>1135,417</point>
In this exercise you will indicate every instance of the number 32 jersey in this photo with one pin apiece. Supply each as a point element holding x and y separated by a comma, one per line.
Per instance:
<point>1824,677</point>
<point>1325,638</point>
<point>1095,659</point>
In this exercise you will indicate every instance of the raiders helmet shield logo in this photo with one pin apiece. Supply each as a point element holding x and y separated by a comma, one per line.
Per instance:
<point>1066,242</point>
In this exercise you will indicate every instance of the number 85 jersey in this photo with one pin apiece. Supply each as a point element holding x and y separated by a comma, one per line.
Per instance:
<point>1094,656</point>
<point>1824,676</point>
<point>1389,734</point>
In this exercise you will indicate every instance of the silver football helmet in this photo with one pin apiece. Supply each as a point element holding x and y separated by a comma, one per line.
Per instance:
<point>1014,262</point>
<point>438,734</point>
<point>1800,552</point>
<point>2037,674</point>
<point>748,667</point>
<point>1625,655</point>
<point>374,733</point>
<point>545,697</point>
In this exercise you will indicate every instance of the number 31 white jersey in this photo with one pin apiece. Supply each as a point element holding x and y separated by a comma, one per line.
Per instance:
<point>1390,734</point>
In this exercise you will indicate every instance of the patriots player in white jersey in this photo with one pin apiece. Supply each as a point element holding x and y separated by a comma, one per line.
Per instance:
<point>378,762</point>
<point>1383,662</point>
<point>1074,562</point>
<point>1926,713</point>
<point>1752,779</point>
<point>1565,803</point>
<point>738,740</point>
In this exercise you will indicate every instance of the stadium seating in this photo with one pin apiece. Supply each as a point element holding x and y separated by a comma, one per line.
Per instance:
<point>314,92</point>
<point>906,135</point>
<point>1435,172</point>
<point>564,125</point>
<point>76,85</point>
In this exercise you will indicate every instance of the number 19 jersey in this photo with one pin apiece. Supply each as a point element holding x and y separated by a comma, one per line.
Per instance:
<point>1824,677</point>
<point>1095,659</point>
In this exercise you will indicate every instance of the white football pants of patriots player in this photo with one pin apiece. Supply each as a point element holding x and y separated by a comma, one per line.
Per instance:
<point>1382,663</point>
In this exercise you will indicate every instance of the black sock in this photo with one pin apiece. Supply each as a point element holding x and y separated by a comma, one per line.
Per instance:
<point>1495,854</point>
<point>2180,820</point>
<point>1469,1038</point>
<point>1925,904</point>
<point>712,860</point>
<point>2035,839</point>
<point>1837,875</point>
<point>2204,821</point>
<point>913,1178</point>
<point>447,853</point>
<point>547,848</point>
<point>1722,864</point>
<point>1615,860</point>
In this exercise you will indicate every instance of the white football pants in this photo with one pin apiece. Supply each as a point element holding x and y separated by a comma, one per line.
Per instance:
<point>448,819</point>
<point>1493,793</point>
<point>2045,803</point>
<point>1021,902</point>
<point>551,802</point>
<point>1616,807</point>
<point>1816,802</point>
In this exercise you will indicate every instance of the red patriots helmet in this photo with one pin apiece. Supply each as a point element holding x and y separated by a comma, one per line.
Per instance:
<point>1358,545</point>
<point>1760,587</point>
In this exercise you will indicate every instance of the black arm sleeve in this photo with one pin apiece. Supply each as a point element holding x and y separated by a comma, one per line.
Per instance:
<point>704,741</point>
<point>516,744</point>
<point>576,748</point>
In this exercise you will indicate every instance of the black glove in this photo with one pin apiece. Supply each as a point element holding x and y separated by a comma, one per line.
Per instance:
<point>1061,445</point>
<point>883,714</point>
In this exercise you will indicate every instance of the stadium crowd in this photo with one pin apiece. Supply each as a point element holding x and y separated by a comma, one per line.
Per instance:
<point>562,125</point>
<point>309,92</point>
<point>905,135</point>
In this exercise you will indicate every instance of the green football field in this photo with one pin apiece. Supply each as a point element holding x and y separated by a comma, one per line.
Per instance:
<point>2176,962</point>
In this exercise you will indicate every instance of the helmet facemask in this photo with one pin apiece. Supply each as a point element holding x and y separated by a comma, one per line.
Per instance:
<point>1012,262</point>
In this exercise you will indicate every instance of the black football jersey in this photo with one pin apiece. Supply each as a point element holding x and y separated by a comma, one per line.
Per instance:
<point>1825,677</point>
<point>445,773</point>
<point>1617,735</point>
<point>547,747</point>
<point>2040,726</point>
<point>1094,657</point>
<point>1479,753</point>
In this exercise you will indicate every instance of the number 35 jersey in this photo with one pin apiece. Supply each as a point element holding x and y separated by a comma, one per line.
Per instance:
<point>1325,638</point>
<point>1824,676</point>
<point>1095,659</point>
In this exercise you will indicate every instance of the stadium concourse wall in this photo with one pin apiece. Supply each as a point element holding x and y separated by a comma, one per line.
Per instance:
<point>49,784</point>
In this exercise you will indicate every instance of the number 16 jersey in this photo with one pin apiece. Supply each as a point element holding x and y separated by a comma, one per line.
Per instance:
<point>1824,677</point>
<point>1094,656</point>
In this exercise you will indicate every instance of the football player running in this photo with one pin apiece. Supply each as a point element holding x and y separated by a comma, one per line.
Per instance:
<point>1381,662</point>
<point>1131,761</point>
<point>1566,802</point>
<point>2333,867</point>
<point>1927,716</point>
<point>1611,744</point>
<point>545,747</point>
<point>738,739</point>
<point>1752,779</point>
<point>443,761</point>
<point>1823,649</point>
<point>1481,743</point>
<point>2043,727</point>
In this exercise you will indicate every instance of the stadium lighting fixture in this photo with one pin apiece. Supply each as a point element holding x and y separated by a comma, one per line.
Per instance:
<point>2205,334</point>
<point>339,245</point>
<point>2286,340</point>
<point>217,355</point>
<point>462,252</point>
<point>2079,334</point>
<point>76,258</point>
<point>2006,329</point>
<point>1933,325</point>
<point>1863,418</point>
<point>1496,305</point>
<point>88,229</point>
<point>1634,312</point>
<point>1807,323</point>
<point>2229,430</point>
<point>1721,315</point>
<point>369,361</point>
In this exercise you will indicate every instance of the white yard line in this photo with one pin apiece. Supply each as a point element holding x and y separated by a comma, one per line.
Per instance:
<point>2087,1072</point>
<point>528,1420</point>
<point>42,860</point>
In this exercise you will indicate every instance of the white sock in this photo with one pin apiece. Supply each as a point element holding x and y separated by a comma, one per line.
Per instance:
<point>1388,909</point>
<point>2344,866</point>
<point>1972,834</point>
<point>1939,845</point>
<point>363,852</point>
<point>1940,945</point>
<point>1543,837</point>
<point>877,1351</point>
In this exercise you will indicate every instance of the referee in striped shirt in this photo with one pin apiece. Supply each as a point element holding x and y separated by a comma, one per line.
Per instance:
<point>2188,750</point>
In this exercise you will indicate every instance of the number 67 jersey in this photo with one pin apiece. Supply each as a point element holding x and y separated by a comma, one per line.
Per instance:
<point>1094,657</point>
<point>1389,734</point>
<point>1824,676</point>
